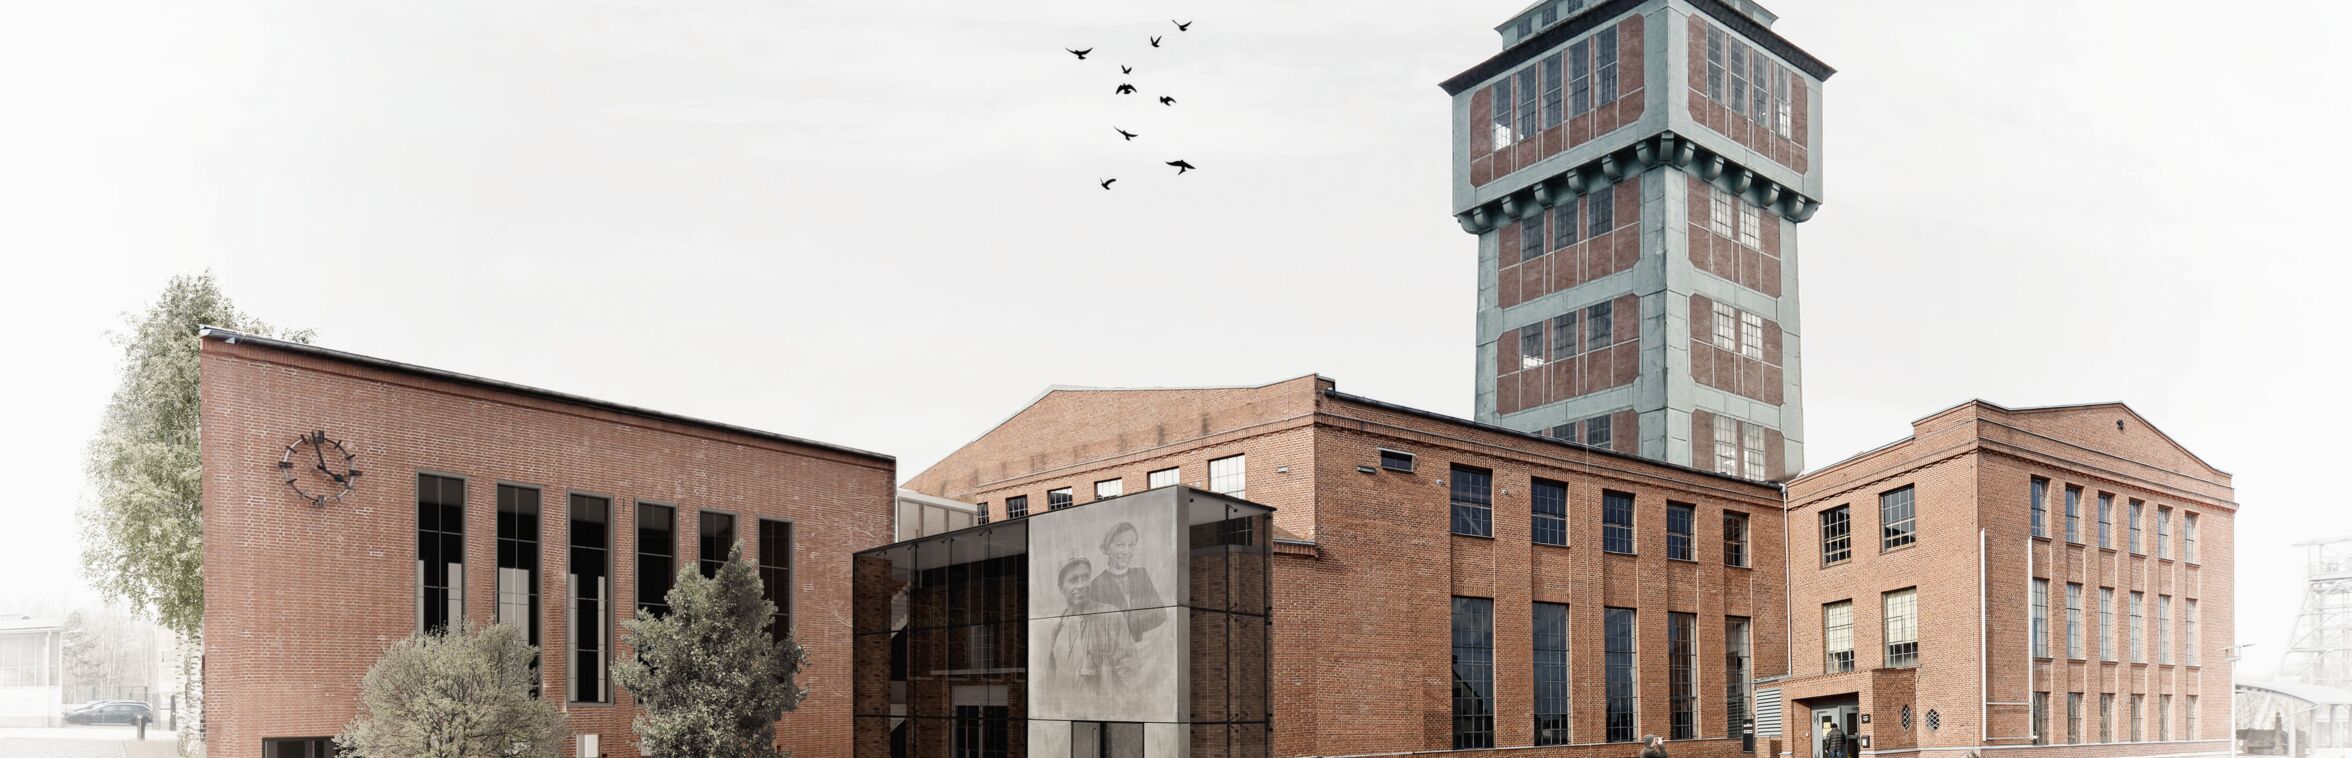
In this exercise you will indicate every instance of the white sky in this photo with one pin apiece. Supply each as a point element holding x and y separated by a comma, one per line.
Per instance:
<point>876,223</point>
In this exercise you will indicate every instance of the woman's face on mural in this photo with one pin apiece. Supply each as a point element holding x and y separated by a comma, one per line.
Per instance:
<point>1122,552</point>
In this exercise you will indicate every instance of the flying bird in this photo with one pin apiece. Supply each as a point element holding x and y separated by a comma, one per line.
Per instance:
<point>1126,89</point>
<point>1082,53</point>
<point>1181,166</point>
<point>1126,69</point>
<point>1166,100</point>
<point>1155,43</point>
<point>1182,26</point>
<point>1106,183</point>
<point>1124,133</point>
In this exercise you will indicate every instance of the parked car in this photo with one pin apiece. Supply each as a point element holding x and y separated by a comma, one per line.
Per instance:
<point>114,712</point>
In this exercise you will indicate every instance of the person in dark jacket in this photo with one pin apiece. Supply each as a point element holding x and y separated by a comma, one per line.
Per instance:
<point>1833,740</point>
<point>1653,747</point>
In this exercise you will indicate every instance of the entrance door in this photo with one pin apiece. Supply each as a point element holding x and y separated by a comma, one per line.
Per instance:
<point>1848,720</point>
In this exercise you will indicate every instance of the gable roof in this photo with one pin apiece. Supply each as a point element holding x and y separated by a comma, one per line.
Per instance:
<point>2139,424</point>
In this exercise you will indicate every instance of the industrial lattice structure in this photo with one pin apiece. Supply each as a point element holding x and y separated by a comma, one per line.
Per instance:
<point>2320,650</point>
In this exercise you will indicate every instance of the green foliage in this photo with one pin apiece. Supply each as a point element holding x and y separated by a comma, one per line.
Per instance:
<point>143,534</point>
<point>708,679</point>
<point>455,695</point>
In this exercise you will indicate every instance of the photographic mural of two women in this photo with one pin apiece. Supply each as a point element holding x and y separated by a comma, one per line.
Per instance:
<point>1102,646</point>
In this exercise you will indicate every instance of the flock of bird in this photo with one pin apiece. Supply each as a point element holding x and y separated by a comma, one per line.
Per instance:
<point>1128,88</point>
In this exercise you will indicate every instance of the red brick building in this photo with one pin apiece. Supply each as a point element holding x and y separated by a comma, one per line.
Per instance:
<point>530,505</point>
<point>1438,582</point>
<point>2006,579</point>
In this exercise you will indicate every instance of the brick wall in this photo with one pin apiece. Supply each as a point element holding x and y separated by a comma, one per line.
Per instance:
<point>301,600</point>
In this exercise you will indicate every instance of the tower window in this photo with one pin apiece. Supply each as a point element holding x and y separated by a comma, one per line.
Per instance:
<point>1739,79</point>
<point>1528,92</point>
<point>1726,327</point>
<point>1726,446</point>
<point>1719,218</point>
<point>1531,237</point>
<point>1551,91</point>
<point>1501,121</point>
<point>1752,447</point>
<point>1564,224</point>
<point>1597,325</point>
<point>1751,232</point>
<point>1752,335</point>
<point>1601,210</point>
<point>1605,67</point>
<point>1596,431</point>
<point>1531,345</point>
<point>1580,78</point>
<point>1715,65</point>
<point>1564,335</point>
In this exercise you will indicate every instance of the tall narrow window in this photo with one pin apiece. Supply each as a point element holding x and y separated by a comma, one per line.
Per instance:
<point>2164,629</point>
<point>2074,613</point>
<point>1738,673</point>
<point>518,561</point>
<point>2134,527</point>
<point>1531,247</point>
<point>1753,437</point>
<point>2138,711</point>
<point>1227,476</point>
<point>1017,506</point>
<point>1618,651</point>
<point>1600,326</point>
<point>2193,732</point>
<point>1738,86</point>
<point>1057,499</point>
<point>1735,539</point>
<point>2106,717</point>
<point>1600,210</point>
<point>1836,537</point>
<point>1166,477</point>
<point>1719,218</point>
<point>2074,718</point>
<point>1500,121</point>
<point>2139,651</point>
<point>1726,327</point>
<point>2189,538</point>
<point>2163,532</point>
<point>1616,522</point>
<point>1580,78</point>
<point>1682,676</point>
<point>1473,501</point>
<point>1563,334</point>
<point>2073,513</point>
<point>1901,614</point>
<point>1751,233</point>
<point>1781,120</point>
<point>1597,431</point>
<point>440,554</point>
<point>1727,456</point>
<point>1678,531</point>
<point>2106,623</point>
<point>1605,67</point>
<point>1897,517</point>
<point>590,590</point>
<point>2041,718</point>
<point>2040,628</point>
<point>1752,335</point>
<point>1109,488</point>
<point>1715,72</point>
<point>2189,630</point>
<point>1551,674</point>
<point>716,539</point>
<point>1550,501</point>
<point>2163,718</point>
<point>1551,91</point>
<point>2039,501</point>
<point>2106,520</point>
<point>775,572</point>
<point>1531,345</point>
<point>1473,673</point>
<point>657,556</point>
<point>1530,93</point>
<point>1563,229</point>
<point>1837,637</point>
<point>980,513</point>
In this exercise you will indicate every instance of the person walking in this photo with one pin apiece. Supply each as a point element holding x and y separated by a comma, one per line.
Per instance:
<point>1833,740</point>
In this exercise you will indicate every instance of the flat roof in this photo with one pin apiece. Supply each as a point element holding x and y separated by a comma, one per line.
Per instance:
<point>233,337</point>
<point>1559,34</point>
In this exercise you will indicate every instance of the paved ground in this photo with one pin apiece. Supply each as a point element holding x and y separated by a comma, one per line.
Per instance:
<point>84,742</point>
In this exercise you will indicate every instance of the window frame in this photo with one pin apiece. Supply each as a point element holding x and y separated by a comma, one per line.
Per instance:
<point>1555,727</point>
<point>603,611</point>
<point>1889,522</point>
<point>1016,506</point>
<point>1471,511</point>
<point>1473,728</point>
<point>2039,608</point>
<point>1687,536</point>
<point>1836,530</point>
<point>1617,534</point>
<point>637,550</point>
<point>1892,653</point>
<point>453,589</point>
<point>1060,498</point>
<point>1175,477</point>
<point>1620,625</point>
<point>1118,488</point>
<point>1545,521</point>
<point>2038,499</point>
<point>779,620</point>
<point>1735,541</point>
<point>1240,475</point>
<point>703,562</point>
<point>1831,662</point>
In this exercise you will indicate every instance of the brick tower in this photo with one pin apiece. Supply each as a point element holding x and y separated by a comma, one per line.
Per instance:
<point>1637,244</point>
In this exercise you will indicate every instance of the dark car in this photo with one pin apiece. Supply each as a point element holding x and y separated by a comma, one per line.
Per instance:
<point>118,712</point>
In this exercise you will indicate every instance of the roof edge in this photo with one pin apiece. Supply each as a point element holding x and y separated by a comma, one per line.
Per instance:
<point>1781,487</point>
<point>231,336</point>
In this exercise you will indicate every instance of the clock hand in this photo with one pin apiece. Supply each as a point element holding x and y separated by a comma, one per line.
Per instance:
<point>318,448</point>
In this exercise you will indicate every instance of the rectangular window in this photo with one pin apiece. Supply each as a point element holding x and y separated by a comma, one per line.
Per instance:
<point>2163,718</point>
<point>1551,92</point>
<point>1618,651</point>
<point>1017,506</point>
<point>1396,461</point>
<point>1530,93</point>
<point>1726,446</point>
<point>2133,527</point>
<point>1110,488</point>
<point>2040,628</point>
<point>1752,447</point>
<point>1719,218</point>
<point>1473,499</point>
<point>2139,652</point>
<point>2164,629</point>
<point>2194,733</point>
<point>589,622</point>
<point>1228,476</point>
<point>298,747</point>
<point>2189,538</point>
<point>1735,539</point>
<point>1752,335</point>
<point>1501,120</point>
<point>1563,225</point>
<point>1531,237</point>
<point>1580,78</point>
<point>1738,86</point>
<point>1679,518</point>
<point>1897,515</point>
<point>1751,226</point>
<point>1473,673</point>
<point>440,600</point>
<point>1057,499</point>
<point>1597,431</point>
<point>2041,718</point>
<point>2106,623</point>
<point>2041,507</point>
<point>1836,541</point>
<point>1565,431</point>
<point>1551,674</point>
<point>1531,345</point>
<point>657,557</point>
<point>1715,64</point>
<point>1598,326</point>
<point>2073,513</point>
<point>2189,632</point>
<point>1616,522</point>
<point>981,516</point>
<point>1682,676</point>
<point>2074,613</point>
<point>1837,637</point>
<point>2106,520</point>
<point>1901,618</point>
<point>518,561</point>
<point>2138,703</point>
<point>1605,67</point>
<point>1563,335</point>
<point>1550,501</point>
<point>1737,674</point>
<point>1162,478</point>
<point>2163,533</point>
<point>775,572</point>
<point>1781,121</point>
<point>715,540</point>
<point>2074,718</point>
<point>1600,210</point>
<point>2106,717</point>
<point>1726,327</point>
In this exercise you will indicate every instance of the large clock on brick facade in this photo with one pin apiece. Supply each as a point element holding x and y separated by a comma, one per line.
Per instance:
<point>319,469</point>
